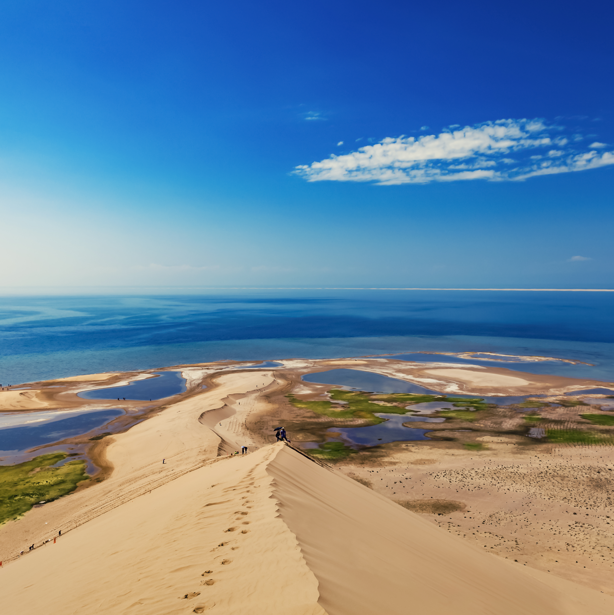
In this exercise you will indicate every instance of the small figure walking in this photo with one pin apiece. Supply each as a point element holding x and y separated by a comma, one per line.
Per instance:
<point>164,461</point>
<point>243,450</point>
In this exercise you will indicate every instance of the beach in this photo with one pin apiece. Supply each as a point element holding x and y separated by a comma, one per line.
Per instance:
<point>175,522</point>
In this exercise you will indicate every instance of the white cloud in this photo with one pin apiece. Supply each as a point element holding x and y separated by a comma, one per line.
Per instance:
<point>422,128</point>
<point>313,115</point>
<point>597,145</point>
<point>340,143</point>
<point>473,152</point>
<point>575,259</point>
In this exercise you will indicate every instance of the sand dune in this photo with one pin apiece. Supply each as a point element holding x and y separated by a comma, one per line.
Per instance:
<point>274,533</point>
<point>22,400</point>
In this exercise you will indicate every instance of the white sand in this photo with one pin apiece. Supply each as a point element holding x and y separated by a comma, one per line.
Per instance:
<point>87,378</point>
<point>478,378</point>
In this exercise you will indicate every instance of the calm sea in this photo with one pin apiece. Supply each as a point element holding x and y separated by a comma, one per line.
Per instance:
<point>51,337</point>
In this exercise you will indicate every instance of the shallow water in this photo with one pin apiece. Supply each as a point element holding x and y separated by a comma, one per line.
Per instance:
<point>595,391</point>
<point>392,430</point>
<point>263,365</point>
<point>556,368</point>
<point>19,439</point>
<point>367,381</point>
<point>430,407</point>
<point>377,383</point>
<point>166,384</point>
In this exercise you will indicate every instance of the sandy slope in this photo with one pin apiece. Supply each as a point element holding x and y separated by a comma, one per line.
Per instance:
<point>22,400</point>
<point>174,435</point>
<point>274,533</point>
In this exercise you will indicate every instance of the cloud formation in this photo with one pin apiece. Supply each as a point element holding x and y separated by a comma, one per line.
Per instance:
<point>505,150</point>
<point>575,259</point>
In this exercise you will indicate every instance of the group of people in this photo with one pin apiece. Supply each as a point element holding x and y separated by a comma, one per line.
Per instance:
<point>280,434</point>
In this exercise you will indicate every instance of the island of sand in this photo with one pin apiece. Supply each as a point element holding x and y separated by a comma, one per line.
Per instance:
<point>479,518</point>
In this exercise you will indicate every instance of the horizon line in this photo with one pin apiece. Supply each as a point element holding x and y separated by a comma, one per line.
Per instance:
<point>15,289</point>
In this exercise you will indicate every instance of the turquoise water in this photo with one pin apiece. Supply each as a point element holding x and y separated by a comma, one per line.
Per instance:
<point>51,337</point>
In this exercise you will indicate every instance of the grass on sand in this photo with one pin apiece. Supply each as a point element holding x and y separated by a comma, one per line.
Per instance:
<point>575,436</point>
<point>533,403</point>
<point>360,405</point>
<point>463,415</point>
<point>570,403</point>
<point>25,484</point>
<point>599,419</point>
<point>331,451</point>
<point>533,418</point>
<point>475,446</point>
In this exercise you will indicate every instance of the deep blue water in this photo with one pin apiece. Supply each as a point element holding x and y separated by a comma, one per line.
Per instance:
<point>50,337</point>
<point>17,439</point>
<point>166,384</point>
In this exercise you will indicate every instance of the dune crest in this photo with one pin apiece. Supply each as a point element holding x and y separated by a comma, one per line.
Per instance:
<point>273,533</point>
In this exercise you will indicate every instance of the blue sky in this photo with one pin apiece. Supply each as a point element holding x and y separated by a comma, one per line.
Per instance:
<point>337,144</point>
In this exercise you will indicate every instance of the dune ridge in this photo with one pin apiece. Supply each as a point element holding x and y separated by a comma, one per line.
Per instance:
<point>275,533</point>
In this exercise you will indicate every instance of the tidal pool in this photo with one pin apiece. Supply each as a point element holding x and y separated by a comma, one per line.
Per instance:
<point>377,383</point>
<point>392,430</point>
<point>26,436</point>
<point>165,384</point>
<point>367,381</point>
<point>596,391</point>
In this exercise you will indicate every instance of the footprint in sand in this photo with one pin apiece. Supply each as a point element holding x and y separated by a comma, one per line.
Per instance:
<point>245,523</point>
<point>241,513</point>
<point>199,609</point>
<point>191,595</point>
<point>231,529</point>
<point>208,582</point>
<point>225,562</point>
<point>244,531</point>
<point>206,573</point>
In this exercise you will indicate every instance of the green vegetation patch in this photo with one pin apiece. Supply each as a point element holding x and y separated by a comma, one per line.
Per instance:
<point>570,403</point>
<point>25,484</point>
<point>101,436</point>
<point>477,403</point>
<point>475,446</point>
<point>407,398</point>
<point>533,418</point>
<point>463,415</point>
<point>599,419</point>
<point>533,403</point>
<point>575,436</point>
<point>331,450</point>
<point>358,406</point>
